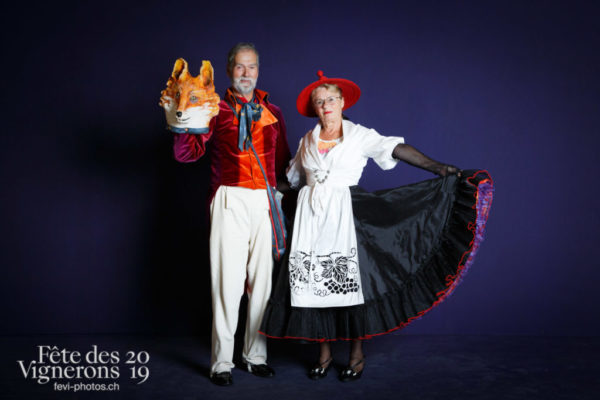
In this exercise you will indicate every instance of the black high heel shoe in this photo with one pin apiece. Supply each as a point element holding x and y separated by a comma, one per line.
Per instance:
<point>349,374</point>
<point>319,371</point>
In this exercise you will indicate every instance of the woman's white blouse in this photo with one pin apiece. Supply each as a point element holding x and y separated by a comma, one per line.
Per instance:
<point>324,265</point>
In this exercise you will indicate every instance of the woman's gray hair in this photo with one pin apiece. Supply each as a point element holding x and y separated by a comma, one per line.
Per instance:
<point>327,86</point>
<point>236,49</point>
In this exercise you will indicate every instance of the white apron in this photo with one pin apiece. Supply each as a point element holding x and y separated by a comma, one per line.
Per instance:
<point>324,266</point>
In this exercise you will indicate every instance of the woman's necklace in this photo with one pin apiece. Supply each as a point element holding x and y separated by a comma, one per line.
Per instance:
<point>337,140</point>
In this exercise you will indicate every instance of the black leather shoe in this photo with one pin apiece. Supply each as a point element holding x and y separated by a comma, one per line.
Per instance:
<point>222,378</point>
<point>320,370</point>
<point>261,370</point>
<point>349,374</point>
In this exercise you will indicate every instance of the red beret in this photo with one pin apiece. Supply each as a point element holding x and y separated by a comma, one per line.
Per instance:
<point>350,92</point>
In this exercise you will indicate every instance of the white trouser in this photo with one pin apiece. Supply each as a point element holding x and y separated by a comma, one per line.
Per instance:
<point>240,258</point>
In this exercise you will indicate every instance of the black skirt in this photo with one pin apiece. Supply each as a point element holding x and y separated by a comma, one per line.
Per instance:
<point>415,243</point>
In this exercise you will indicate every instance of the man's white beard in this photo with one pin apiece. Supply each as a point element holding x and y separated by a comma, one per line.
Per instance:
<point>244,90</point>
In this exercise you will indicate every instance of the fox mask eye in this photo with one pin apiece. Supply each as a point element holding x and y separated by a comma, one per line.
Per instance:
<point>193,99</point>
<point>177,95</point>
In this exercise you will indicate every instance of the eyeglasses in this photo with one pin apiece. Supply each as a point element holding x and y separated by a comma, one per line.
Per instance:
<point>329,100</point>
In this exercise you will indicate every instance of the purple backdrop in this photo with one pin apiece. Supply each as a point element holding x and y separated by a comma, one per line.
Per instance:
<point>102,231</point>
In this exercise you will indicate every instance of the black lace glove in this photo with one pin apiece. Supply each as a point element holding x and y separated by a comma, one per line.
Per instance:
<point>412,156</point>
<point>447,169</point>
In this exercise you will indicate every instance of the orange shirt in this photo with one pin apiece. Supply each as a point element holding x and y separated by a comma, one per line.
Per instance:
<point>229,165</point>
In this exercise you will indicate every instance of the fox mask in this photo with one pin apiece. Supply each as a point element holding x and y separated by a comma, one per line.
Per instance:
<point>190,102</point>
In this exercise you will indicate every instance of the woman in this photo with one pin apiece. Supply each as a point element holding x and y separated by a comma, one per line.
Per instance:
<point>363,264</point>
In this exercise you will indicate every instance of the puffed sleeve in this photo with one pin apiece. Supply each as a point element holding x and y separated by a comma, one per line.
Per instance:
<point>295,172</point>
<point>379,148</point>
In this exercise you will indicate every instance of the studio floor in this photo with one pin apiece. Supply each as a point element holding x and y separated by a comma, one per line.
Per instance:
<point>398,366</point>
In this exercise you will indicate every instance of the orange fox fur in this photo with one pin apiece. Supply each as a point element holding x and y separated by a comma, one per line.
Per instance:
<point>188,91</point>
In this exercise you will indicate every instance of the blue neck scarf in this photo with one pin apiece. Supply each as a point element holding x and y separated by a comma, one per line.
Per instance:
<point>250,112</point>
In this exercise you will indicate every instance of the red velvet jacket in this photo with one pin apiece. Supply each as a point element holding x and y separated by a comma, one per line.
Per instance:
<point>229,165</point>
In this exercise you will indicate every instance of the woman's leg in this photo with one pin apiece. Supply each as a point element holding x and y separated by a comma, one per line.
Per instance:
<point>320,369</point>
<point>325,354</point>
<point>356,355</point>
<point>356,364</point>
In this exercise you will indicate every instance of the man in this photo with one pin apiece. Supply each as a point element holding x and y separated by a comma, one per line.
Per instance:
<point>240,237</point>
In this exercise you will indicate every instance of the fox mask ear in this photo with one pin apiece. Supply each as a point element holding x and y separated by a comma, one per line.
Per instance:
<point>207,73</point>
<point>180,67</point>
